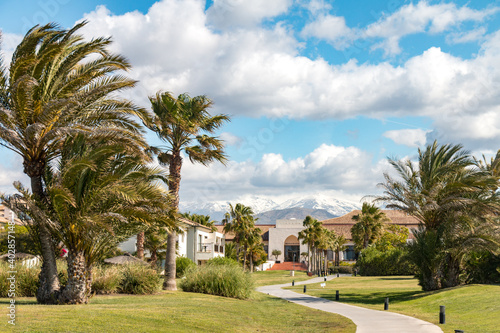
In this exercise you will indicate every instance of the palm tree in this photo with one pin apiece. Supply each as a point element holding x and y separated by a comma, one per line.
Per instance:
<point>182,123</point>
<point>53,90</point>
<point>457,204</point>
<point>155,240</point>
<point>241,222</point>
<point>309,236</point>
<point>99,195</point>
<point>369,227</point>
<point>338,247</point>
<point>201,219</point>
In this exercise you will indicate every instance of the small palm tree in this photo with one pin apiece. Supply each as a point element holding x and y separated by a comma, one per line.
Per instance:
<point>369,227</point>
<point>201,219</point>
<point>183,123</point>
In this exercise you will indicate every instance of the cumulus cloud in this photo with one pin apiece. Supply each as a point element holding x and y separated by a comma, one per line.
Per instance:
<point>332,29</point>
<point>349,170</point>
<point>409,137</point>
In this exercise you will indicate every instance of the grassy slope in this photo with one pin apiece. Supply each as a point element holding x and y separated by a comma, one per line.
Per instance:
<point>174,312</point>
<point>473,308</point>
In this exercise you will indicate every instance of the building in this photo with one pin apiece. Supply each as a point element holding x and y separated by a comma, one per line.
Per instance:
<point>6,216</point>
<point>197,242</point>
<point>283,236</point>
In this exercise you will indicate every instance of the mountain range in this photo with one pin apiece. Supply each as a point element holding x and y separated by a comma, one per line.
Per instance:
<point>268,211</point>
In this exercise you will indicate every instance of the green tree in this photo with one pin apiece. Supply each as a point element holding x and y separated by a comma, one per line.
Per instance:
<point>457,203</point>
<point>155,240</point>
<point>182,123</point>
<point>369,226</point>
<point>59,85</point>
<point>310,236</point>
<point>240,221</point>
<point>276,253</point>
<point>393,236</point>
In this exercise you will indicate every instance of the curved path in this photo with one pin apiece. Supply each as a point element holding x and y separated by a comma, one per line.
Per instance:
<point>366,320</point>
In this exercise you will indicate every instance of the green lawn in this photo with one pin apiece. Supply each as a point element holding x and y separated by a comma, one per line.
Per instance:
<point>473,308</point>
<point>277,277</point>
<point>173,312</point>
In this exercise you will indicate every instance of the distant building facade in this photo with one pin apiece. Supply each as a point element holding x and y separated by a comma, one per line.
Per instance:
<point>283,235</point>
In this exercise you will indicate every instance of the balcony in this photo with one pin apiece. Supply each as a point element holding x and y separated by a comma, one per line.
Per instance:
<point>210,247</point>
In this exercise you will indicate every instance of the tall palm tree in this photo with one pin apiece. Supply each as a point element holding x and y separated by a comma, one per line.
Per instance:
<point>183,123</point>
<point>457,204</point>
<point>309,236</point>
<point>241,222</point>
<point>59,85</point>
<point>369,225</point>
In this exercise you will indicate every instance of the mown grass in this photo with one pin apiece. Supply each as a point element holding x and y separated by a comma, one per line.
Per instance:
<point>472,308</point>
<point>173,312</point>
<point>277,277</point>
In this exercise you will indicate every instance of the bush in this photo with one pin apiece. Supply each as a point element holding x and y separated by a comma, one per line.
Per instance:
<point>221,280</point>
<point>181,265</point>
<point>26,280</point>
<point>140,279</point>
<point>373,262</point>
<point>106,279</point>
<point>482,267</point>
<point>221,261</point>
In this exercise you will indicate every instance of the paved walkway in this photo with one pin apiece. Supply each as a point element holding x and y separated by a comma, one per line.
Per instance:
<point>366,320</point>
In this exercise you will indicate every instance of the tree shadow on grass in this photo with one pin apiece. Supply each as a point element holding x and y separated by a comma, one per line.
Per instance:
<point>379,297</point>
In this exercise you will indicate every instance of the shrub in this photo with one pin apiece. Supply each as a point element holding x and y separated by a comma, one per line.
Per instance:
<point>26,280</point>
<point>221,261</point>
<point>221,280</point>
<point>181,265</point>
<point>140,279</point>
<point>482,267</point>
<point>373,262</point>
<point>106,279</point>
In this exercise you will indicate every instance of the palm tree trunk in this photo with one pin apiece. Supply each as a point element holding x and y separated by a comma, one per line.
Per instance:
<point>245,258</point>
<point>154,258</point>
<point>140,245</point>
<point>76,291</point>
<point>251,262</point>
<point>173,187</point>
<point>48,289</point>
<point>309,258</point>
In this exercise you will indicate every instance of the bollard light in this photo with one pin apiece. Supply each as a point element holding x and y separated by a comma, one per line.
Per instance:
<point>337,296</point>
<point>325,278</point>
<point>293,283</point>
<point>305,288</point>
<point>337,274</point>
<point>386,303</point>
<point>459,331</point>
<point>442,315</point>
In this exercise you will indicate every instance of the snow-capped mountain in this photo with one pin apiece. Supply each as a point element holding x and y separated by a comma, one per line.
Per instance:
<point>333,206</point>
<point>217,209</point>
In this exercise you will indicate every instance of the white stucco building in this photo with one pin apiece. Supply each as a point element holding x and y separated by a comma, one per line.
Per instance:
<point>197,242</point>
<point>284,237</point>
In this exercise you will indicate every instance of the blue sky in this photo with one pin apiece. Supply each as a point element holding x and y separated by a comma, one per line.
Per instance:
<point>320,92</point>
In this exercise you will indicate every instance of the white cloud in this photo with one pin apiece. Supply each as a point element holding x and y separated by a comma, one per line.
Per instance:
<point>259,72</point>
<point>317,6</point>
<point>230,139</point>
<point>332,29</point>
<point>421,18</point>
<point>328,168</point>
<point>409,137</point>
<point>244,13</point>
<point>467,36</point>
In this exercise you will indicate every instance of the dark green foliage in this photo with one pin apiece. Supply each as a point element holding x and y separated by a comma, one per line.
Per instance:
<point>24,242</point>
<point>181,265</point>
<point>483,267</point>
<point>373,262</point>
<point>140,279</point>
<point>220,261</point>
<point>221,280</point>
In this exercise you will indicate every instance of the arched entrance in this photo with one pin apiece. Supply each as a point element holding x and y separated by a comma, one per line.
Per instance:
<point>292,249</point>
